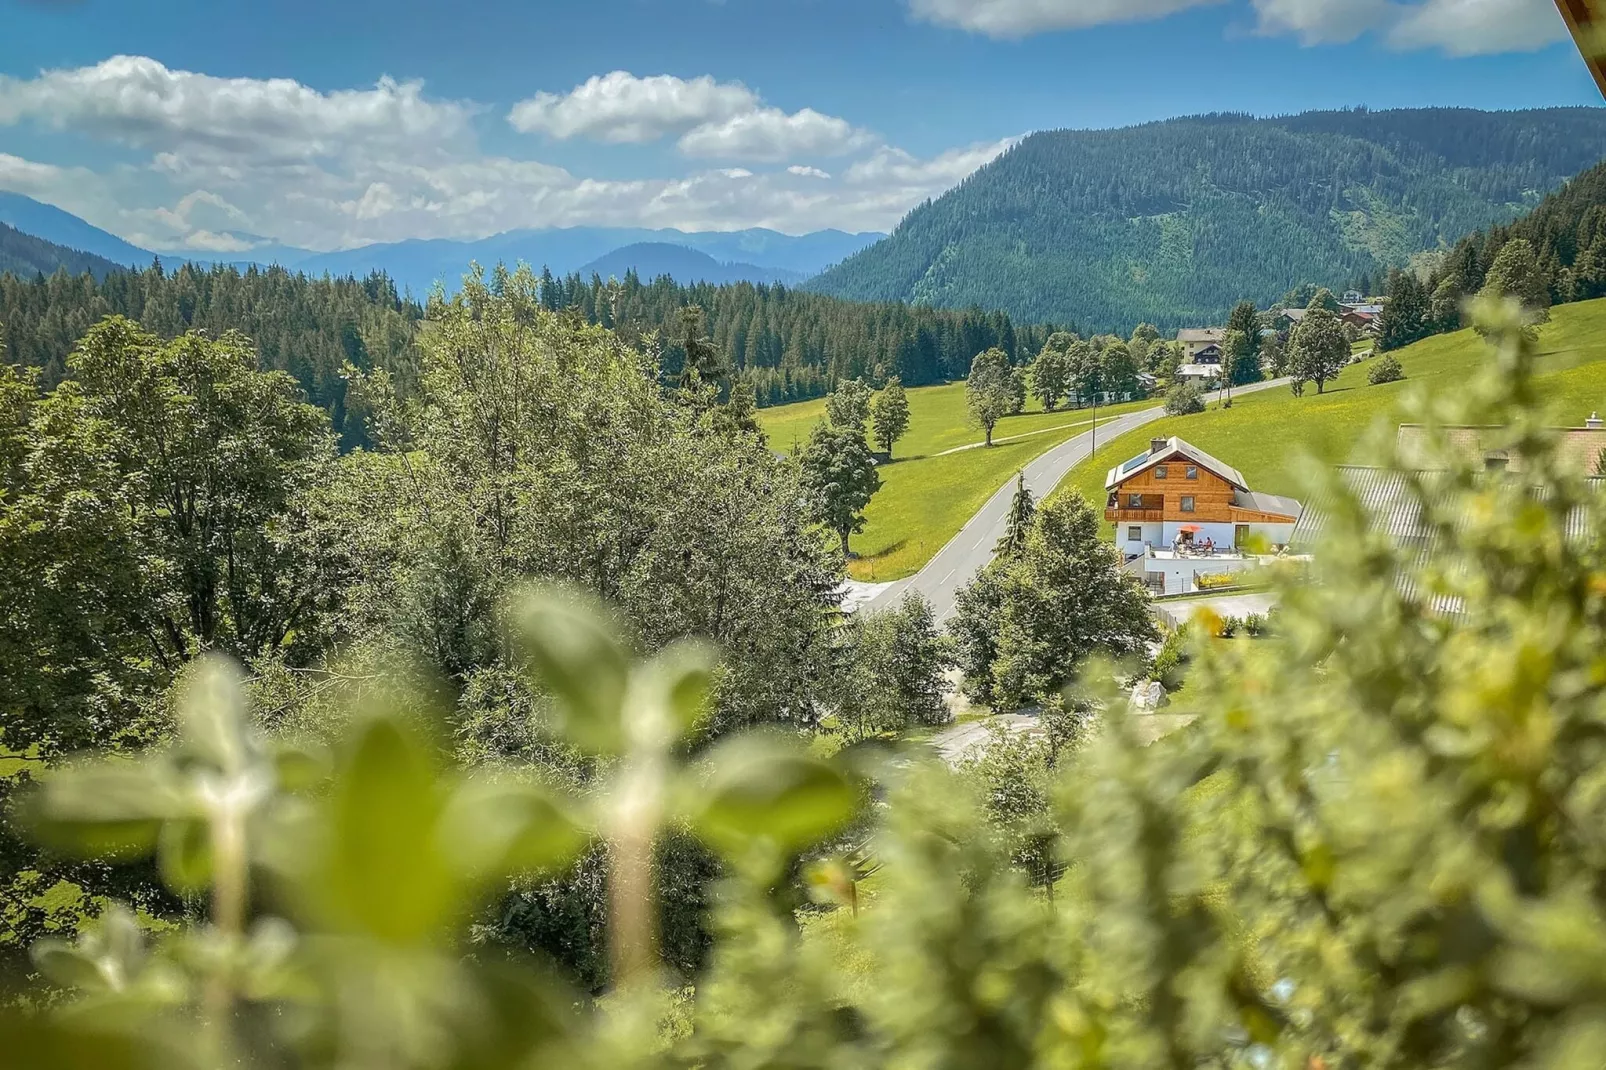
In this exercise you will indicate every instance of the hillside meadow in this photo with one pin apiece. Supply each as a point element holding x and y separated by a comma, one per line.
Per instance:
<point>1263,434</point>
<point>935,483</point>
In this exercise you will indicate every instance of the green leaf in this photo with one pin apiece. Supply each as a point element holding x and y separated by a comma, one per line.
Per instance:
<point>184,854</point>
<point>298,768</point>
<point>108,809</point>
<point>669,695</point>
<point>762,790</point>
<point>569,644</point>
<point>213,712</point>
<point>494,830</point>
<point>67,966</point>
<point>384,873</point>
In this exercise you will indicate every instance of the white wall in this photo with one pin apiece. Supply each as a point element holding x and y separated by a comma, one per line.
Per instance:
<point>1152,536</point>
<point>1179,572</point>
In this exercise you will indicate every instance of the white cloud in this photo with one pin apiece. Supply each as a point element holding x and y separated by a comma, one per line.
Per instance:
<point>1479,27</point>
<point>230,164</point>
<point>136,101</point>
<point>1458,27</point>
<point>621,108</point>
<point>715,120</point>
<point>1323,21</point>
<point>1020,18</point>
<point>769,135</point>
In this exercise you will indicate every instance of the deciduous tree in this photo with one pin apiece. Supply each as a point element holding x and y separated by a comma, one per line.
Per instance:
<point>840,473</point>
<point>1317,351</point>
<point>889,414</point>
<point>990,390</point>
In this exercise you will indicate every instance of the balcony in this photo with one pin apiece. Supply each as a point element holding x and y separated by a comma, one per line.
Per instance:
<point>1117,514</point>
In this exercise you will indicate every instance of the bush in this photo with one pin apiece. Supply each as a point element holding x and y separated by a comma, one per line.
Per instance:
<point>1171,664</point>
<point>1255,625</point>
<point>1215,581</point>
<point>1229,627</point>
<point>1386,370</point>
<point>1183,400</point>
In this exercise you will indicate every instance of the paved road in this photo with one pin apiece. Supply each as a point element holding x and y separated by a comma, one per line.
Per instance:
<point>968,552</point>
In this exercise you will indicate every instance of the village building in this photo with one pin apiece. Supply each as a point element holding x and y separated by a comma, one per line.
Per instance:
<point>1180,513</point>
<point>1582,447</point>
<point>1201,345</point>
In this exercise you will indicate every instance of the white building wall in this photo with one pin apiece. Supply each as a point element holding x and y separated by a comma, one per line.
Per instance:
<point>1151,535</point>
<point>1180,572</point>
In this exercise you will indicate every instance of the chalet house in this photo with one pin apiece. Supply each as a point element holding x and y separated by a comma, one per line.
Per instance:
<point>1180,513</point>
<point>1367,319</point>
<point>1289,318</point>
<point>1202,345</point>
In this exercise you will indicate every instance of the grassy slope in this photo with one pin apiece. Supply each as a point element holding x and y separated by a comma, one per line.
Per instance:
<point>1263,432</point>
<point>926,498</point>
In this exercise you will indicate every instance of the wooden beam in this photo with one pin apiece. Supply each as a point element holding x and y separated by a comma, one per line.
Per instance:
<point>1586,19</point>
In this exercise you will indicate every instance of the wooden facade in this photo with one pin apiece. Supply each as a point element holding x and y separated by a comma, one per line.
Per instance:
<point>1182,491</point>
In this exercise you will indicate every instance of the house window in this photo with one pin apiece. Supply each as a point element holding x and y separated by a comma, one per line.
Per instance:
<point>1134,534</point>
<point>1159,472</point>
<point>1134,501</point>
<point>1193,473</point>
<point>1187,504</point>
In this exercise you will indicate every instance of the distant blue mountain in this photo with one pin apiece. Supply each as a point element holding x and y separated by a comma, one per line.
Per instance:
<point>649,260</point>
<point>757,255</point>
<point>63,228</point>
<point>418,264</point>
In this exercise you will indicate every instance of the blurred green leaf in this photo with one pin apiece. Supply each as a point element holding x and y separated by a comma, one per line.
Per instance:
<point>493,829</point>
<point>383,872</point>
<point>572,650</point>
<point>298,768</point>
<point>213,713</point>
<point>669,695</point>
<point>764,790</point>
<point>109,809</point>
<point>67,966</point>
<point>184,853</point>
<point>41,1043</point>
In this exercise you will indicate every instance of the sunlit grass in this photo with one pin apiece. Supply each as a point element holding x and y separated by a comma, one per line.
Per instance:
<point>927,494</point>
<point>1264,432</point>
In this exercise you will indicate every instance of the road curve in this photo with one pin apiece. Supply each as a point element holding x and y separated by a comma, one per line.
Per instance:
<point>969,552</point>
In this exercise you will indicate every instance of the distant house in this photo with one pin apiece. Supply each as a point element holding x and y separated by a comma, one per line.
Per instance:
<point>1353,297</point>
<point>1168,503</point>
<point>1287,319</point>
<point>1203,375</point>
<point>1196,341</point>
<point>1148,382</point>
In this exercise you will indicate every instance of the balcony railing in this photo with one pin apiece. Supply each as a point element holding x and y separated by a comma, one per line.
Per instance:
<point>1119,514</point>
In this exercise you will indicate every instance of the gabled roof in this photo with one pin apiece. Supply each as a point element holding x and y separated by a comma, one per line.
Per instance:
<point>1174,449</point>
<point>1294,315</point>
<point>1202,334</point>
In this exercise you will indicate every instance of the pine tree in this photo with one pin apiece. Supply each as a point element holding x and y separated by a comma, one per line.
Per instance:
<point>1408,312</point>
<point>1022,507</point>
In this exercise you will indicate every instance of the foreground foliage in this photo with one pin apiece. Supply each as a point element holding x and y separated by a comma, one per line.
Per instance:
<point>1376,846</point>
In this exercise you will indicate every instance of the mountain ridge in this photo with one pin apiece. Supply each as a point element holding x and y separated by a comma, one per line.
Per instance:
<point>1174,221</point>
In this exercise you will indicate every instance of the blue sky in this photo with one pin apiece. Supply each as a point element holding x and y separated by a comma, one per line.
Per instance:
<point>331,124</point>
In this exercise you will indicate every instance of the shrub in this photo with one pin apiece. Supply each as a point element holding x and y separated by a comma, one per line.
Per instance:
<point>1229,627</point>
<point>1255,625</point>
<point>1184,400</point>
<point>1215,581</point>
<point>1386,370</point>
<point>1171,664</point>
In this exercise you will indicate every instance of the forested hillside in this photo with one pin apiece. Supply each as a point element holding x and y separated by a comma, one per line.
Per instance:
<point>1554,255</point>
<point>23,254</point>
<point>793,344</point>
<point>1173,222</point>
<point>304,326</point>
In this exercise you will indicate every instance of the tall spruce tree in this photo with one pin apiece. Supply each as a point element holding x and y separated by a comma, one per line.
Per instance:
<point>1022,507</point>
<point>1408,312</point>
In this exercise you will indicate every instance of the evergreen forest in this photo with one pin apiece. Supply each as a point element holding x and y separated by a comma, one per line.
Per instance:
<point>1174,222</point>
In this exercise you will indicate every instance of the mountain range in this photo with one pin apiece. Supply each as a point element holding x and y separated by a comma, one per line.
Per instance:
<point>1173,222</point>
<point>754,255</point>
